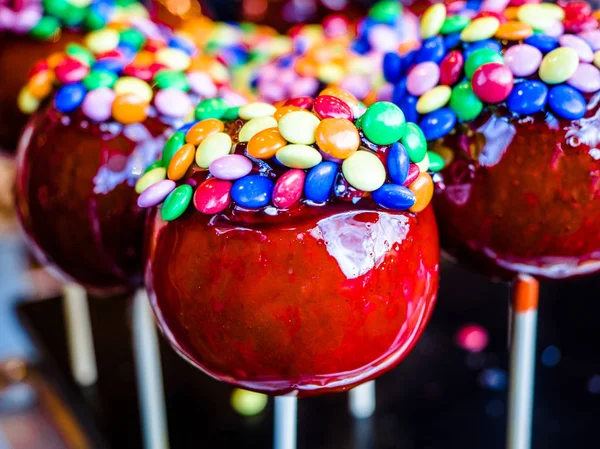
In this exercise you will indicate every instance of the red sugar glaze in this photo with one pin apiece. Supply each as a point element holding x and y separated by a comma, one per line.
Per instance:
<point>536,210</point>
<point>262,303</point>
<point>75,196</point>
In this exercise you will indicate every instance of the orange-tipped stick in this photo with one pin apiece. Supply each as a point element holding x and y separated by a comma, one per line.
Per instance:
<point>525,298</point>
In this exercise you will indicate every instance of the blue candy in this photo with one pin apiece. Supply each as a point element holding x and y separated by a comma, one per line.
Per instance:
<point>433,49</point>
<point>392,67</point>
<point>452,40</point>
<point>393,196</point>
<point>252,191</point>
<point>69,97</point>
<point>486,43</point>
<point>183,44</point>
<point>398,163</point>
<point>408,60</point>
<point>567,102</point>
<point>528,97</point>
<point>319,181</point>
<point>408,104</point>
<point>128,50</point>
<point>361,46</point>
<point>542,42</point>
<point>438,123</point>
<point>111,65</point>
<point>399,92</point>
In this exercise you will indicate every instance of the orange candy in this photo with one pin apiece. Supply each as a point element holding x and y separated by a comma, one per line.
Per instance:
<point>129,108</point>
<point>342,95</point>
<point>280,112</point>
<point>511,12</point>
<point>40,84</point>
<point>337,137</point>
<point>143,59</point>
<point>181,161</point>
<point>422,187</point>
<point>203,129</point>
<point>266,143</point>
<point>54,59</point>
<point>513,30</point>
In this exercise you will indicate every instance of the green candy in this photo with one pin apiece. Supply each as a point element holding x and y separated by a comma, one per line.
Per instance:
<point>212,108</point>
<point>94,21</point>
<point>453,24</point>
<point>153,165</point>
<point>56,8</point>
<point>436,162</point>
<point>415,143</point>
<point>46,28</point>
<point>97,79</point>
<point>480,57</point>
<point>177,202</point>
<point>231,114</point>
<point>383,123</point>
<point>386,11</point>
<point>165,79</point>
<point>80,53</point>
<point>73,15</point>
<point>133,37</point>
<point>358,122</point>
<point>464,102</point>
<point>174,143</point>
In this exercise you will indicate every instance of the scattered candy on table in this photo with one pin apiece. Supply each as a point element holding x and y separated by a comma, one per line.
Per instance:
<point>306,151</point>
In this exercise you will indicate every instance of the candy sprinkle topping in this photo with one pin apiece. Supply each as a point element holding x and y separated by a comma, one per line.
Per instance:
<point>529,57</point>
<point>269,159</point>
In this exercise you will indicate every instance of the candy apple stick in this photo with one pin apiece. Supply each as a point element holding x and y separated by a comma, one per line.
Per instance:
<point>80,342</point>
<point>522,362</point>
<point>286,422</point>
<point>149,375</point>
<point>362,400</point>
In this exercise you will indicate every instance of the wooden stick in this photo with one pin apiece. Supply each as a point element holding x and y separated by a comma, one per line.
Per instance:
<point>362,400</point>
<point>153,411</point>
<point>80,339</point>
<point>525,298</point>
<point>286,422</point>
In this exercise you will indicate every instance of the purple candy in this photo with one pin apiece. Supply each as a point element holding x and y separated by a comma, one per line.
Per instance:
<point>523,59</point>
<point>556,29</point>
<point>97,104</point>
<point>592,37</point>
<point>422,78</point>
<point>173,103</point>
<point>586,78</point>
<point>231,167</point>
<point>156,193</point>
<point>202,84</point>
<point>582,48</point>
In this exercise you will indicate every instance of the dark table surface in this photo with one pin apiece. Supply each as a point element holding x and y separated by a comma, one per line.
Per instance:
<point>440,397</point>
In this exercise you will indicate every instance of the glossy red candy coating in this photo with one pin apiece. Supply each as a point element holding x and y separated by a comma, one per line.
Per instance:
<point>288,188</point>
<point>70,70</point>
<point>263,303</point>
<point>326,106</point>
<point>300,102</point>
<point>212,196</point>
<point>75,196</point>
<point>451,68</point>
<point>492,82</point>
<point>529,203</point>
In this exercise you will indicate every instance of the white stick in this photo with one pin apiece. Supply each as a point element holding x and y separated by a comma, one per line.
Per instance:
<point>80,339</point>
<point>149,375</point>
<point>362,400</point>
<point>286,422</point>
<point>522,362</point>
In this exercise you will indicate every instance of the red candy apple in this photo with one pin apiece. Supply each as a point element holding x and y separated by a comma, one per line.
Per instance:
<point>317,300</point>
<point>523,195</point>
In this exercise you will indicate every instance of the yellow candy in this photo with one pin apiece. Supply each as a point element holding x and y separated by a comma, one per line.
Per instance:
<point>101,41</point>
<point>299,156</point>
<point>432,20</point>
<point>597,59</point>
<point>255,126</point>
<point>537,17</point>
<point>424,164</point>
<point>248,403</point>
<point>434,99</point>
<point>150,178</point>
<point>479,29</point>
<point>173,58</point>
<point>299,127</point>
<point>330,73</point>
<point>559,65</point>
<point>134,86</point>
<point>212,148</point>
<point>555,11</point>
<point>26,102</point>
<point>257,109</point>
<point>364,171</point>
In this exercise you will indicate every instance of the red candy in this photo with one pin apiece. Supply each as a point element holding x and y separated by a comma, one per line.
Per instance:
<point>301,102</point>
<point>451,68</point>
<point>574,8</point>
<point>580,22</point>
<point>70,70</point>
<point>212,196</point>
<point>326,106</point>
<point>40,66</point>
<point>413,173</point>
<point>492,82</point>
<point>288,188</point>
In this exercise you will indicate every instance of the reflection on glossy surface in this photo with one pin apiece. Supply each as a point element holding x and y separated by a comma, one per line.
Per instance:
<point>75,195</point>
<point>320,302</point>
<point>527,199</point>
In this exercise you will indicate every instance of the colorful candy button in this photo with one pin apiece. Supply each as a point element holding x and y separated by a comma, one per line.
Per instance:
<point>394,197</point>
<point>298,156</point>
<point>479,57</point>
<point>398,163</point>
<point>451,68</point>
<point>583,49</point>
<point>542,42</point>
<point>337,137</point>
<point>254,126</point>
<point>432,21</point>
<point>414,142</point>
<point>173,103</point>
<point>479,29</point>
<point>465,104</point>
<point>422,78</point>
<point>212,196</point>
<point>383,123</point>
<point>254,110</point>
<point>298,127</point>
<point>156,193</point>
<point>69,97</point>
<point>211,108</point>
<point>492,82</point>
<point>437,124</point>
<point>266,143</point>
<point>280,112</point>
<point>149,178</point>
<point>201,130</point>
<point>212,148</point>
<point>422,187</point>
<point>129,108</point>
<point>320,181</point>
<point>134,86</point>
<point>288,188</point>
<point>567,102</point>
<point>434,99</point>
<point>523,60</point>
<point>528,97</point>
<point>559,65</point>
<point>181,161</point>
<point>231,167</point>
<point>364,171</point>
<point>176,202</point>
<point>173,144</point>
<point>252,191</point>
<point>513,30</point>
<point>327,106</point>
<point>586,78</point>
<point>97,104</point>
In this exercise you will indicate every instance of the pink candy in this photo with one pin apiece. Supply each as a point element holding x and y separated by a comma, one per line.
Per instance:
<point>579,45</point>
<point>97,104</point>
<point>422,78</point>
<point>492,82</point>
<point>173,103</point>
<point>212,196</point>
<point>231,167</point>
<point>592,38</point>
<point>523,60</point>
<point>202,84</point>
<point>288,188</point>
<point>586,78</point>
